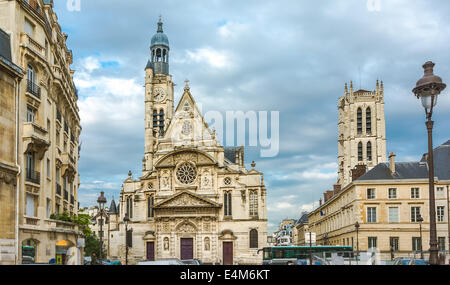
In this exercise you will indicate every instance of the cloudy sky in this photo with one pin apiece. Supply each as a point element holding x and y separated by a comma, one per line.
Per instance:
<point>288,56</point>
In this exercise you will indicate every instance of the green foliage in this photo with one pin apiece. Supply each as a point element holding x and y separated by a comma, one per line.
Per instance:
<point>82,220</point>
<point>93,246</point>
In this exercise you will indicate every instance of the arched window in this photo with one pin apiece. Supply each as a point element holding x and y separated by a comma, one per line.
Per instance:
<point>158,55</point>
<point>227,204</point>
<point>359,120</point>
<point>130,207</point>
<point>150,204</point>
<point>360,151</point>
<point>368,121</point>
<point>254,203</point>
<point>253,238</point>
<point>161,122</point>
<point>369,151</point>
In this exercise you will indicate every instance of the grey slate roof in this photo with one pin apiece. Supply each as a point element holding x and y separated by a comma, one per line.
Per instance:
<point>303,219</point>
<point>230,153</point>
<point>113,208</point>
<point>414,170</point>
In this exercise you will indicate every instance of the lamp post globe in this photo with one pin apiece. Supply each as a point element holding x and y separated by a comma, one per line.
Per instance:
<point>427,90</point>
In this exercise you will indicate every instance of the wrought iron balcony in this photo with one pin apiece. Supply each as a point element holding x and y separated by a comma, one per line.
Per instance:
<point>33,89</point>
<point>33,176</point>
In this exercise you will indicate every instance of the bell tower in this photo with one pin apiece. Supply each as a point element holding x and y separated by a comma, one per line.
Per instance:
<point>361,131</point>
<point>159,98</point>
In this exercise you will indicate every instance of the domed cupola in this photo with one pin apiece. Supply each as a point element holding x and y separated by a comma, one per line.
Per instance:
<point>159,51</point>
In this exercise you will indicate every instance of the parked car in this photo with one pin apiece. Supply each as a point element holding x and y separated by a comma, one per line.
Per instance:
<point>192,262</point>
<point>172,261</point>
<point>410,261</point>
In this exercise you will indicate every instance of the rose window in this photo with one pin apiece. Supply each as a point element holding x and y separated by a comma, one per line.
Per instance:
<point>186,173</point>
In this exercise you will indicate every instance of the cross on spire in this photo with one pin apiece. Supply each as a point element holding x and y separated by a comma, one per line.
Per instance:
<point>186,88</point>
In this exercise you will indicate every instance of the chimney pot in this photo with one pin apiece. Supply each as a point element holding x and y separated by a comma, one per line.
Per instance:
<point>392,162</point>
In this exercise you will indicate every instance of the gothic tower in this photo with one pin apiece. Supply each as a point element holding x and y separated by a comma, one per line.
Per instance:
<point>361,131</point>
<point>159,99</point>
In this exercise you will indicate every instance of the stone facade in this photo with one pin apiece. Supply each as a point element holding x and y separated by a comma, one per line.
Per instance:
<point>361,130</point>
<point>10,77</point>
<point>195,199</point>
<point>386,209</point>
<point>48,128</point>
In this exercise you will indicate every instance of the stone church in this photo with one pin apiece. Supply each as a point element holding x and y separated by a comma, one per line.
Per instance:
<point>195,198</point>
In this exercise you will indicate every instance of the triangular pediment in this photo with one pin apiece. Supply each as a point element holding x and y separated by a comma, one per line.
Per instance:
<point>187,199</point>
<point>188,127</point>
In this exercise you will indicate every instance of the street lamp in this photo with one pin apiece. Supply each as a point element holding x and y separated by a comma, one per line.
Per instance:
<point>101,203</point>
<point>420,220</point>
<point>357,241</point>
<point>126,219</point>
<point>427,89</point>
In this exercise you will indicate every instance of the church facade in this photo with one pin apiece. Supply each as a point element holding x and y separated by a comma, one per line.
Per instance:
<point>195,198</point>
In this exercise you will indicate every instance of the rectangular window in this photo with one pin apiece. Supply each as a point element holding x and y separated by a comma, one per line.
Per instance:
<point>253,203</point>
<point>440,192</point>
<point>49,174</point>
<point>49,207</point>
<point>371,214</point>
<point>415,193</point>
<point>440,213</point>
<point>392,193</point>
<point>372,242</point>
<point>441,243</point>
<point>416,244</point>
<point>394,243</point>
<point>371,193</point>
<point>28,28</point>
<point>415,214</point>
<point>151,210</point>
<point>30,115</point>
<point>393,215</point>
<point>29,208</point>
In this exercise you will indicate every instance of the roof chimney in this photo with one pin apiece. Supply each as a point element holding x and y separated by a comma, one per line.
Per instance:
<point>358,171</point>
<point>320,201</point>
<point>392,162</point>
<point>337,188</point>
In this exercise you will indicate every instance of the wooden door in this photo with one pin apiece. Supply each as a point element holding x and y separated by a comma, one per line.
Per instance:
<point>187,248</point>
<point>227,253</point>
<point>150,251</point>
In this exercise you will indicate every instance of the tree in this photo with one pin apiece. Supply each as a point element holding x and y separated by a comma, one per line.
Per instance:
<point>92,246</point>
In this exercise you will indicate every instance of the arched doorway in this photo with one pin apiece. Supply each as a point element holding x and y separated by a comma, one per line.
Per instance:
<point>29,251</point>
<point>61,248</point>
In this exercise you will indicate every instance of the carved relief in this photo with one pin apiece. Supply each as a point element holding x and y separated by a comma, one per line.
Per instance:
<point>186,227</point>
<point>186,200</point>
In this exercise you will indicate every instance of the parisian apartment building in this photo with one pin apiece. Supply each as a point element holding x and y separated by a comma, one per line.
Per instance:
<point>39,131</point>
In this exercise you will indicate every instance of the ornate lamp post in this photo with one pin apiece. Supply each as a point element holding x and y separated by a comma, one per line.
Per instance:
<point>357,241</point>
<point>126,219</point>
<point>420,220</point>
<point>427,89</point>
<point>101,203</point>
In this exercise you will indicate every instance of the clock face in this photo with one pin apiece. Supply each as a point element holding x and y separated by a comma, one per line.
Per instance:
<point>159,94</point>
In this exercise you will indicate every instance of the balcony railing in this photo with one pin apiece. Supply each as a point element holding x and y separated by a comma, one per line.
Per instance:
<point>58,189</point>
<point>33,176</point>
<point>66,195</point>
<point>34,89</point>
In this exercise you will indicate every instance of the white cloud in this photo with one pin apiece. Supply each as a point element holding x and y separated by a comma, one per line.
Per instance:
<point>90,64</point>
<point>215,58</point>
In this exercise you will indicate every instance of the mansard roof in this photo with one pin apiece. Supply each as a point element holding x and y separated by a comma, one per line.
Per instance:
<point>414,170</point>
